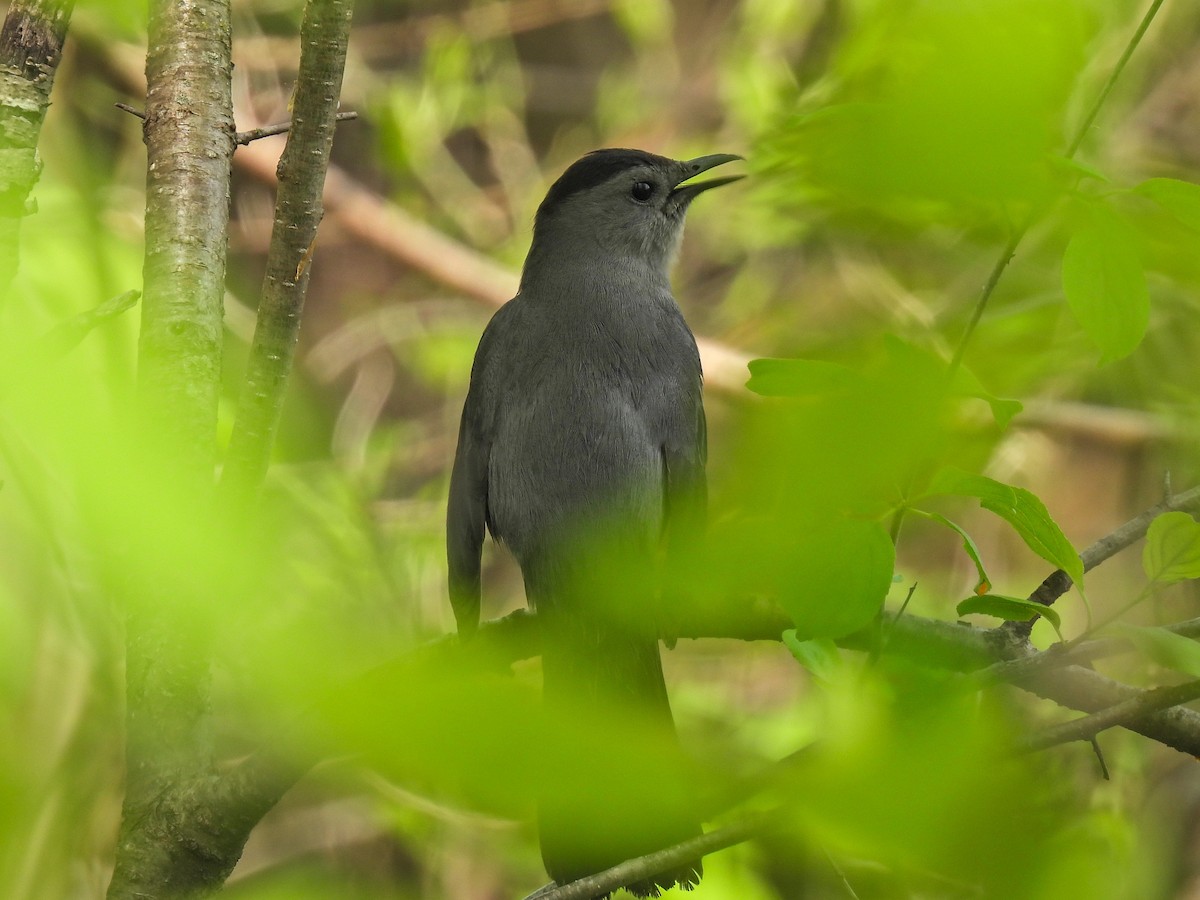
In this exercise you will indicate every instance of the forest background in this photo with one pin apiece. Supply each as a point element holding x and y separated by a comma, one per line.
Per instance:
<point>964,262</point>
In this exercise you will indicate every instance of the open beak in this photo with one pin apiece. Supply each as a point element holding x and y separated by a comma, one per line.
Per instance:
<point>686,191</point>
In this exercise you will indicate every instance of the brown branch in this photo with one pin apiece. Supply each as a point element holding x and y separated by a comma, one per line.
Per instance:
<point>245,137</point>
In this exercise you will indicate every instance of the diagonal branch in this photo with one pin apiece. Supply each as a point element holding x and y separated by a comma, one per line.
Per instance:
<point>1135,707</point>
<point>643,868</point>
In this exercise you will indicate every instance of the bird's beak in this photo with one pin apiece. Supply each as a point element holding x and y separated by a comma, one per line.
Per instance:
<point>684,193</point>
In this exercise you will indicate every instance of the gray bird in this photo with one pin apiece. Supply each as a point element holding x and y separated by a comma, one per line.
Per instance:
<point>582,448</point>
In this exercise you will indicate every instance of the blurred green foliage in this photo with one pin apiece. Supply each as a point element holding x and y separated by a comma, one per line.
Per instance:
<point>895,146</point>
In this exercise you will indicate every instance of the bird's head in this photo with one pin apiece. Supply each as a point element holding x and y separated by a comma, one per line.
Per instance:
<point>621,204</point>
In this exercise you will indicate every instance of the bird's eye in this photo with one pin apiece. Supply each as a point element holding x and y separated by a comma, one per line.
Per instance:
<point>641,191</point>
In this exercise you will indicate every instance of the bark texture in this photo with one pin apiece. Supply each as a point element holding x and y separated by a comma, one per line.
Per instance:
<point>31,42</point>
<point>298,211</point>
<point>168,844</point>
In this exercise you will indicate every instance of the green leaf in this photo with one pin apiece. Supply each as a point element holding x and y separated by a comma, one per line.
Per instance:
<point>985,583</point>
<point>1010,609</point>
<point>1180,198</point>
<point>1105,286</point>
<point>799,377</point>
<point>1021,509</point>
<point>820,655</point>
<point>839,575</point>
<point>1074,169</point>
<point>1003,409</point>
<point>1172,551</point>
<point>1168,649</point>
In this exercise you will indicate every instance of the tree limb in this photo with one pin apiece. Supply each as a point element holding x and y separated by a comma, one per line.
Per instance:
<point>643,868</point>
<point>255,134</point>
<point>1137,706</point>
<point>188,131</point>
<point>324,34</point>
<point>31,42</point>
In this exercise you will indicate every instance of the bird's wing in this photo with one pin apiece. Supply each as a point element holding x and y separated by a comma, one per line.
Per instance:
<point>467,509</point>
<point>685,488</point>
<point>466,513</point>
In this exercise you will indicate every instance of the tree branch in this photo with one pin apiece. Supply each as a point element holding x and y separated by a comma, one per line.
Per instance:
<point>324,34</point>
<point>643,868</point>
<point>1136,707</point>
<point>189,143</point>
<point>31,42</point>
<point>1059,582</point>
<point>254,134</point>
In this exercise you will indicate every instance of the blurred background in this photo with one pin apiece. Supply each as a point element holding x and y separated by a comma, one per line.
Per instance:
<point>850,227</point>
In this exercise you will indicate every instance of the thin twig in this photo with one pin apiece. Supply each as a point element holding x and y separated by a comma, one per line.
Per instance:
<point>129,109</point>
<point>646,867</point>
<point>245,137</point>
<point>66,335</point>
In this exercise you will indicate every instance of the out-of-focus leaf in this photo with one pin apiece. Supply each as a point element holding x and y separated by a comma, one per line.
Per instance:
<point>819,655</point>
<point>1105,286</point>
<point>1180,198</point>
<point>1076,169</point>
<point>839,572</point>
<point>1170,650</point>
<point>935,109</point>
<point>985,583</point>
<point>1003,409</point>
<point>1010,609</point>
<point>1172,551</point>
<point>799,377</point>
<point>646,21</point>
<point>1021,509</point>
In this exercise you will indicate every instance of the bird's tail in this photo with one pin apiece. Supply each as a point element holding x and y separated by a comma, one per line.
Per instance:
<point>616,786</point>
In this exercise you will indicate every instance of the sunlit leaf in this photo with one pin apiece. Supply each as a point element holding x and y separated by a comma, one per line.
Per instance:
<point>1172,551</point>
<point>1105,286</point>
<point>1003,409</point>
<point>1021,509</point>
<point>1180,198</point>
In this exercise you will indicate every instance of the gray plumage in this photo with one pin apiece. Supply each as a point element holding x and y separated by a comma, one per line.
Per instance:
<point>582,448</point>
